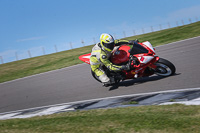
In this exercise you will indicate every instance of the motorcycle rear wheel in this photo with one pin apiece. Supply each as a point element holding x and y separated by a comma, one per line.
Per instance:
<point>164,68</point>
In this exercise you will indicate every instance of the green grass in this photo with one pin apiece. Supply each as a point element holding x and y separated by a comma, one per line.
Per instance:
<point>143,119</point>
<point>170,35</point>
<point>27,67</point>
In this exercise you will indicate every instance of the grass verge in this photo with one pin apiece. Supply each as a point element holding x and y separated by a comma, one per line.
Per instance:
<point>27,67</point>
<point>144,119</point>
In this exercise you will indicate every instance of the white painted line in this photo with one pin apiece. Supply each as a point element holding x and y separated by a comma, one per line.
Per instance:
<point>48,111</point>
<point>132,95</point>
<point>98,99</point>
<point>8,116</point>
<point>191,102</point>
<point>197,99</point>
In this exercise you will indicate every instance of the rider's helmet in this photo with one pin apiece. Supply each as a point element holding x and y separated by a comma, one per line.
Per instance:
<point>107,42</point>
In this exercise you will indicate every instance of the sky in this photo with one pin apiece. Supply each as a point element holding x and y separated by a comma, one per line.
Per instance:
<point>30,28</point>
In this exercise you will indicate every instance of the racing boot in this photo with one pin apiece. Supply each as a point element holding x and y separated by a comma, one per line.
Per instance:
<point>110,82</point>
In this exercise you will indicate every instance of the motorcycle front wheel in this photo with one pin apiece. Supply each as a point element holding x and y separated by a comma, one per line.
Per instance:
<point>164,68</point>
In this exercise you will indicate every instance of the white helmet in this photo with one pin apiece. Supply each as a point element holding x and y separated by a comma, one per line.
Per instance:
<point>107,42</point>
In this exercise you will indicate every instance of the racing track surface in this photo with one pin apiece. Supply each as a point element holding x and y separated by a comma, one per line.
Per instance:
<point>75,83</point>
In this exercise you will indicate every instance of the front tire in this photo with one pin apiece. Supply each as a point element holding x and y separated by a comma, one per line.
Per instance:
<point>164,68</point>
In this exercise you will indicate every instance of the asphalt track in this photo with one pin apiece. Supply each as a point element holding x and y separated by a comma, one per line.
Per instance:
<point>76,83</point>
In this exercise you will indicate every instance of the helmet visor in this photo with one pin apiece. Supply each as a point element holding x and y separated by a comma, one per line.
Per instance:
<point>109,45</point>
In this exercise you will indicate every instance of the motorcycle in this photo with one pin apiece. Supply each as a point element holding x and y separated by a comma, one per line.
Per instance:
<point>142,59</point>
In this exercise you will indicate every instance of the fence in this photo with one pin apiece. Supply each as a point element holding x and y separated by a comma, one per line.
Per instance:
<point>19,55</point>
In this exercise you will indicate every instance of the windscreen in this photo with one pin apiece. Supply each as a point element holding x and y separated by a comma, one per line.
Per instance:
<point>137,49</point>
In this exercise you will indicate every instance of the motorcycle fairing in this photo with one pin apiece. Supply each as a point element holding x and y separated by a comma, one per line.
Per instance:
<point>85,58</point>
<point>148,44</point>
<point>145,59</point>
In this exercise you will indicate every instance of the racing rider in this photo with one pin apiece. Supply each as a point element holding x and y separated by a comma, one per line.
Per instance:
<point>100,55</point>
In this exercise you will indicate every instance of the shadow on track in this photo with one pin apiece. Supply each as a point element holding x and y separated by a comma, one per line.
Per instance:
<point>138,81</point>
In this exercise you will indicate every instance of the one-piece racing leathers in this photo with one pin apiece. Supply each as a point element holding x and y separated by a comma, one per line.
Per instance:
<point>100,57</point>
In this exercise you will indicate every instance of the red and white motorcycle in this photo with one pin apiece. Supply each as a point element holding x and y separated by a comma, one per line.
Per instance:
<point>142,59</point>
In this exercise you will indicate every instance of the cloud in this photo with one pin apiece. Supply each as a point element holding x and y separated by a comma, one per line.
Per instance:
<point>181,14</point>
<point>30,39</point>
<point>185,13</point>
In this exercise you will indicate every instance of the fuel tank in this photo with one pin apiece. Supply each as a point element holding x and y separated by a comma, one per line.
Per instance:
<point>120,55</point>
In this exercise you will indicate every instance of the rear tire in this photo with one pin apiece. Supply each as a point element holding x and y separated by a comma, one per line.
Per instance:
<point>164,68</point>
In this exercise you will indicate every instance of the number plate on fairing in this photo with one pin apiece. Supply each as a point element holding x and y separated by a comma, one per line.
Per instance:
<point>145,59</point>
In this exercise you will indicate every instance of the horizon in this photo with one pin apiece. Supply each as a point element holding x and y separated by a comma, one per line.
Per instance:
<point>34,28</point>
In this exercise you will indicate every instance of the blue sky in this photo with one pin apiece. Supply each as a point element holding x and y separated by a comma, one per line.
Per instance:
<point>35,25</point>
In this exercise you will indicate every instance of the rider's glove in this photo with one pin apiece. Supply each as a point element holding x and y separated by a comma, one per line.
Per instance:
<point>126,67</point>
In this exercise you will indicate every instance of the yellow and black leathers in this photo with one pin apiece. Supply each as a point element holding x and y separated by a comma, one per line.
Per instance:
<point>100,57</point>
